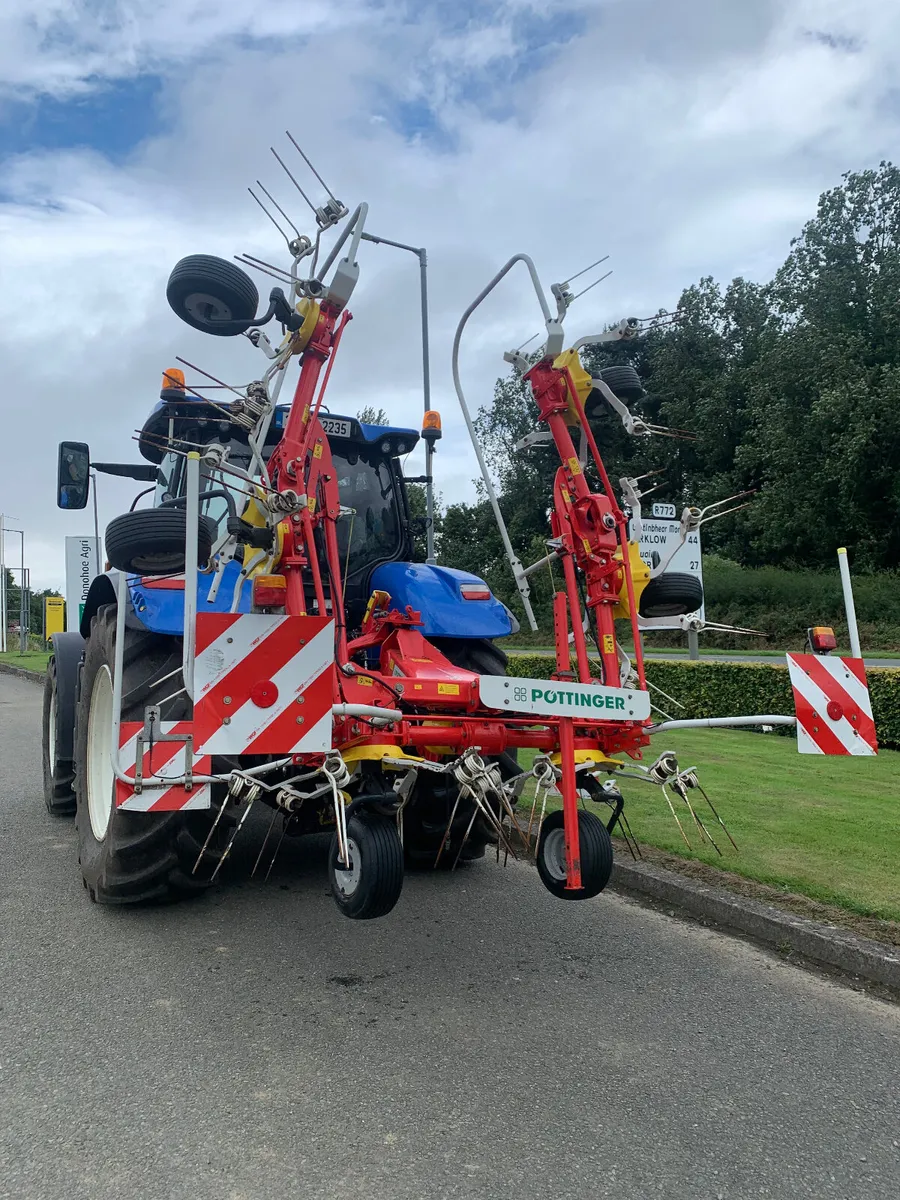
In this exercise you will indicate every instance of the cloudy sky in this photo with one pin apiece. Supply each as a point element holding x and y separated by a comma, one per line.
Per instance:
<point>682,137</point>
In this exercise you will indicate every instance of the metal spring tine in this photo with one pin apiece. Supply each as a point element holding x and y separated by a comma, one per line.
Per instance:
<point>716,815</point>
<point>590,285</point>
<point>207,375</point>
<point>231,840</point>
<point>311,167</point>
<point>269,195</point>
<point>193,391</point>
<point>537,791</point>
<point>265,840</point>
<point>245,262</point>
<point>446,836</point>
<point>268,214</point>
<point>531,339</point>
<point>675,815</point>
<point>630,840</point>
<point>584,270</point>
<point>681,789</point>
<point>462,844</point>
<point>284,830</point>
<point>272,267</point>
<point>209,836</point>
<point>292,179</point>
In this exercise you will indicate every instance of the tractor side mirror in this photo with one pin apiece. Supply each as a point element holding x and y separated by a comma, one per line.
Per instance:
<point>73,479</point>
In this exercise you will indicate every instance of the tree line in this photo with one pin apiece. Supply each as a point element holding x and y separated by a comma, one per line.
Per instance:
<point>791,387</point>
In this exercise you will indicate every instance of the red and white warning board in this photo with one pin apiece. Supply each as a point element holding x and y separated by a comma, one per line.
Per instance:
<point>834,712</point>
<point>262,685</point>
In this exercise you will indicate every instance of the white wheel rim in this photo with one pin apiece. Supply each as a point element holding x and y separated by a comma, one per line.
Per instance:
<point>100,778</point>
<point>347,878</point>
<point>554,853</point>
<point>51,733</point>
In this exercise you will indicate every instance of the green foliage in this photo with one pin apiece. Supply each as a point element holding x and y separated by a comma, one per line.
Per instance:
<point>792,388</point>
<point>373,416</point>
<point>737,689</point>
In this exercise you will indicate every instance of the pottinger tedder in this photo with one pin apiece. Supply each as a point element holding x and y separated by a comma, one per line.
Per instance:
<point>260,637</point>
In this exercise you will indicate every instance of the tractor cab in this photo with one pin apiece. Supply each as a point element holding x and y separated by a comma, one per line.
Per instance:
<point>375,525</point>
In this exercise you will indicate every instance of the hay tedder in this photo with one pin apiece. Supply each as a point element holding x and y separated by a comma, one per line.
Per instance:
<point>262,637</point>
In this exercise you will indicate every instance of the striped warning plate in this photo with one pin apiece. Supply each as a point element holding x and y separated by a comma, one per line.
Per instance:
<point>834,712</point>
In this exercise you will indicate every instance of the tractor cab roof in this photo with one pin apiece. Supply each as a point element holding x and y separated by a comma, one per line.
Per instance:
<point>181,413</point>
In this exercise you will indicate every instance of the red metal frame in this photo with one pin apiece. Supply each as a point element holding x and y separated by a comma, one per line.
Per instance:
<point>449,717</point>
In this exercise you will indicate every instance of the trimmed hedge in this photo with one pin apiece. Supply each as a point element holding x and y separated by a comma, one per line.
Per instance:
<point>735,689</point>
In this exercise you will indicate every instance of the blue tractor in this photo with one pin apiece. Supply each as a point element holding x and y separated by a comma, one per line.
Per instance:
<point>128,857</point>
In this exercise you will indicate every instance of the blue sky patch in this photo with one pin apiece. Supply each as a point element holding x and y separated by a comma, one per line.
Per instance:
<point>113,120</point>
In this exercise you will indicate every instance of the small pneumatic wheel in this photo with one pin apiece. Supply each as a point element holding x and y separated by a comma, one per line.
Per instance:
<point>596,851</point>
<point>371,884</point>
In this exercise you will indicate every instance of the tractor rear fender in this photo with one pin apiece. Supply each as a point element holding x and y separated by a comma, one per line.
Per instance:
<point>102,591</point>
<point>452,603</point>
<point>67,650</point>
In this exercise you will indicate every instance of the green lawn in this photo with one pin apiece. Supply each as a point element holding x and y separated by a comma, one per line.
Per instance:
<point>31,660</point>
<point>828,828</point>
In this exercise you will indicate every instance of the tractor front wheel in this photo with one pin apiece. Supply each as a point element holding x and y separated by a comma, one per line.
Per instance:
<point>58,768</point>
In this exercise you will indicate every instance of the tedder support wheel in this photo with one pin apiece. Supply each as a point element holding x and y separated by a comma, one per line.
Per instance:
<point>59,770</point>
<point>596,856</point>
<point>671,595</point>
<point>204,291</point>
<point>151,541</point>
<point>371,885</point>
<point>128,857</point>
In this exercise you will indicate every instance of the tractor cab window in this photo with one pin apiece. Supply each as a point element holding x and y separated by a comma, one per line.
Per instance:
<point>373,532</point>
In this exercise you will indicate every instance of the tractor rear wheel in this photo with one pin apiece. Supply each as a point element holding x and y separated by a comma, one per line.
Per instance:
<point>425,822</point>
<point>130,857</point>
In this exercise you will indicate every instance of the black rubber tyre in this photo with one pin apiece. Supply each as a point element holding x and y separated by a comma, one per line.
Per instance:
<point>143,857</point>
<point>623,381</point>
<point>374,882</point>
<point>204,290</point>
<point>596,852</point>
<point>671,595</point>
<point>150,541</point>
<point>59,772</point>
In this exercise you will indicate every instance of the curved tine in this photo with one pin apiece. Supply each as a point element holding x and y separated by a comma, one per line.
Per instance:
<point>311,167</point>
<point>675,815</point>
<point>716,815</point>
<point>681,790</point>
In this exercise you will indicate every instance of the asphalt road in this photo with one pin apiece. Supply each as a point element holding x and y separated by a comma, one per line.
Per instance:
<point>484,1040</point>
<point>709,656</point>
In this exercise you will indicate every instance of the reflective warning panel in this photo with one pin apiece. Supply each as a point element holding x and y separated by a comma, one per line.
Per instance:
<point>834,712</point>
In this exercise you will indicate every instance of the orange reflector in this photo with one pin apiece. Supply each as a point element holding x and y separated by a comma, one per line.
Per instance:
<point>821,637</point>
<point>269,591</point>
<point>475,591</point>
<point>173,380</point>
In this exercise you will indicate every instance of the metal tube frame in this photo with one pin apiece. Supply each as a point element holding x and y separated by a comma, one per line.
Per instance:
<point>849,605</point>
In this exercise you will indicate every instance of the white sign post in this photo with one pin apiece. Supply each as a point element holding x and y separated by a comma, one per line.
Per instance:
<point>81,568</point>
<point>660,535</point>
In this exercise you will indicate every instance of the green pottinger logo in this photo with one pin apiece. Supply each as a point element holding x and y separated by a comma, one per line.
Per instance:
<point>578,699</point>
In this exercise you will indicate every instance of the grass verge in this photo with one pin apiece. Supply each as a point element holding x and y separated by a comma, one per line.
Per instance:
<point>31,660</point>
<point>826,828</point>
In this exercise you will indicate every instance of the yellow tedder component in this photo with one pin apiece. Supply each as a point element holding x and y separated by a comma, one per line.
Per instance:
<point>309,311</point>
<point>254,514</point>
<point>376,753</point>
<point>580,377</point>
<point>640,575</point>
<point>582,756</point>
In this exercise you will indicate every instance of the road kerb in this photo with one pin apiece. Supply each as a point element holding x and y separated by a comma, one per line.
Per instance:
<point>815,941</point>
<point>22,672</point>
